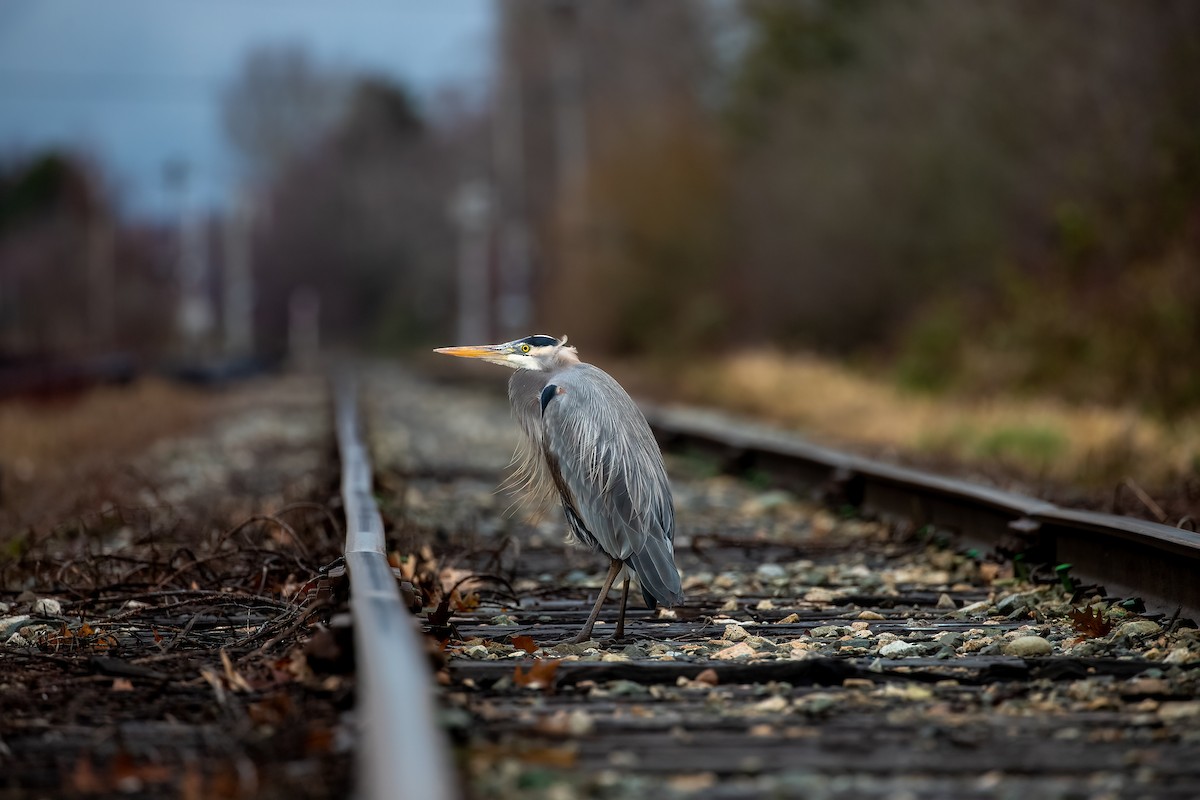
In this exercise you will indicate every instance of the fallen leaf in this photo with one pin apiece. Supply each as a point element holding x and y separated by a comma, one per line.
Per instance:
<point>539,676</point>
<point>274,710</point>
<point>989,571</point>
<point>236,681</point>
<point>122,685</point>
<point>525,643</point>
<point>84,778</point>
<point>561,757</point>
<point>463,603</point>
<point>1090,622</point>
<point>318,741</point>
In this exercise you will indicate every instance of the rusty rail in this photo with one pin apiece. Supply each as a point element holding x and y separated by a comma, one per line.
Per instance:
<point>1130,557</point>
<point>402,752</point>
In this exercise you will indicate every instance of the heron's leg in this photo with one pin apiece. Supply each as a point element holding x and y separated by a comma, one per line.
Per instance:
<point>586,633</point>
<point>621,617</point>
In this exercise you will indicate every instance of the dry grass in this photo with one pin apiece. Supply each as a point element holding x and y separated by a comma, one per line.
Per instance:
<point>1041,439</point>
<point>109,420</point>
<point>50,449</point>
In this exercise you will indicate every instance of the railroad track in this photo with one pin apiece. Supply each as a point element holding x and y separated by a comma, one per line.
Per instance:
<point>911,639</point>
<point>922,638</point>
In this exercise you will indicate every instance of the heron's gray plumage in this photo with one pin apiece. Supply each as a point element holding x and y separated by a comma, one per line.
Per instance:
<point>608,468</point>
<point>598,452</point>
<point>587,443</point>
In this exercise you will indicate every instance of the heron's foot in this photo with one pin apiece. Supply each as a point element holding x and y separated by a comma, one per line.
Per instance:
<point>584,636</point>
<point>616,640</point>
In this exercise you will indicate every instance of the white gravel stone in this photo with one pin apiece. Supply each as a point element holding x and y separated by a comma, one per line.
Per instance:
<point>17,640</point>
<point>1180,655</point>
<point>48,606</point>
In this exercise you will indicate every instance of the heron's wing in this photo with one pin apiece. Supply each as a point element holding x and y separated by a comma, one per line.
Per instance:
<point>603,456</point>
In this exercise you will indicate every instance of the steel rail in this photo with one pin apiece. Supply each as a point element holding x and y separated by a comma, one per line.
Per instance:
<point>402,751</point>
<point>1130,557</point>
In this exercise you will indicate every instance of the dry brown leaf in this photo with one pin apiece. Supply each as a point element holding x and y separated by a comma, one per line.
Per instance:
<point>122,685</point>
<point>318,741</point>
<point>539,676</point>
<point>464,603</point>
<point>525,643</point>
<point>1090,622</point>
<point>236,681</point>
<point>989,571</point>
<point>274,709</point>
<point>84,779</point>
<point>561,757</point>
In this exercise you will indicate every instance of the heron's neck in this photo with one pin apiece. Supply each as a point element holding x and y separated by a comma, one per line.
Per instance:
<point>567,356</point>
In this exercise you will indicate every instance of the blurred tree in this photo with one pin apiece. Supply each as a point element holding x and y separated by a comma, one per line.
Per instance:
<point>358,217</point>
<point>619,166</point>
<point>892,158</point>
<point>280,105</point>
<point>71,281</point>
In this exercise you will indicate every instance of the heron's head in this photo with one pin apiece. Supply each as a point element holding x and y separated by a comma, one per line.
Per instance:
<point>537,352</point>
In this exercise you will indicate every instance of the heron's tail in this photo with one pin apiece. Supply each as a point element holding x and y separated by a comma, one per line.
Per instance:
<point>655,569</point>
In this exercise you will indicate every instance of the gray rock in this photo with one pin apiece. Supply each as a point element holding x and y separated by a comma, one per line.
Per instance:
<point>979,609</point>
<point>826,631</point>
<point>951,639</point>
<point>1014,602</point>
<point>1138,628</point>
<point>771,572</point>
<point>10,625</point>
<point>1026,646</point>
<point>899,649</point>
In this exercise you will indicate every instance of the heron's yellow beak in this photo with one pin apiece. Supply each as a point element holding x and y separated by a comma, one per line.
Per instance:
<point>472,351</point>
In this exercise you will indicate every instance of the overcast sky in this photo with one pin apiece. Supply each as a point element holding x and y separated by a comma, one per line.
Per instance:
<point>136,83</point>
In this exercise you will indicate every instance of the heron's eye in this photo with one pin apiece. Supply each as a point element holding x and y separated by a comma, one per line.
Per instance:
<point>524,348</point>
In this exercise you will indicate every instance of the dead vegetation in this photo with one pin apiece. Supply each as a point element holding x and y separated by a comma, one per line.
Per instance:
<point>1039,443</point>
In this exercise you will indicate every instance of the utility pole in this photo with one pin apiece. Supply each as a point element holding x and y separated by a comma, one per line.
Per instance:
<point>570,114</point>
<point>101,278</point>
<point>238,300</point>
<point>471,211</point>
<point>304,328</point>
<point>194,317</point>
<point>573,246</point>
<point>515,302</point>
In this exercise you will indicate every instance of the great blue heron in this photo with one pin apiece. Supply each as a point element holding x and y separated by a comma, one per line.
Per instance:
<point>586,440</point>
